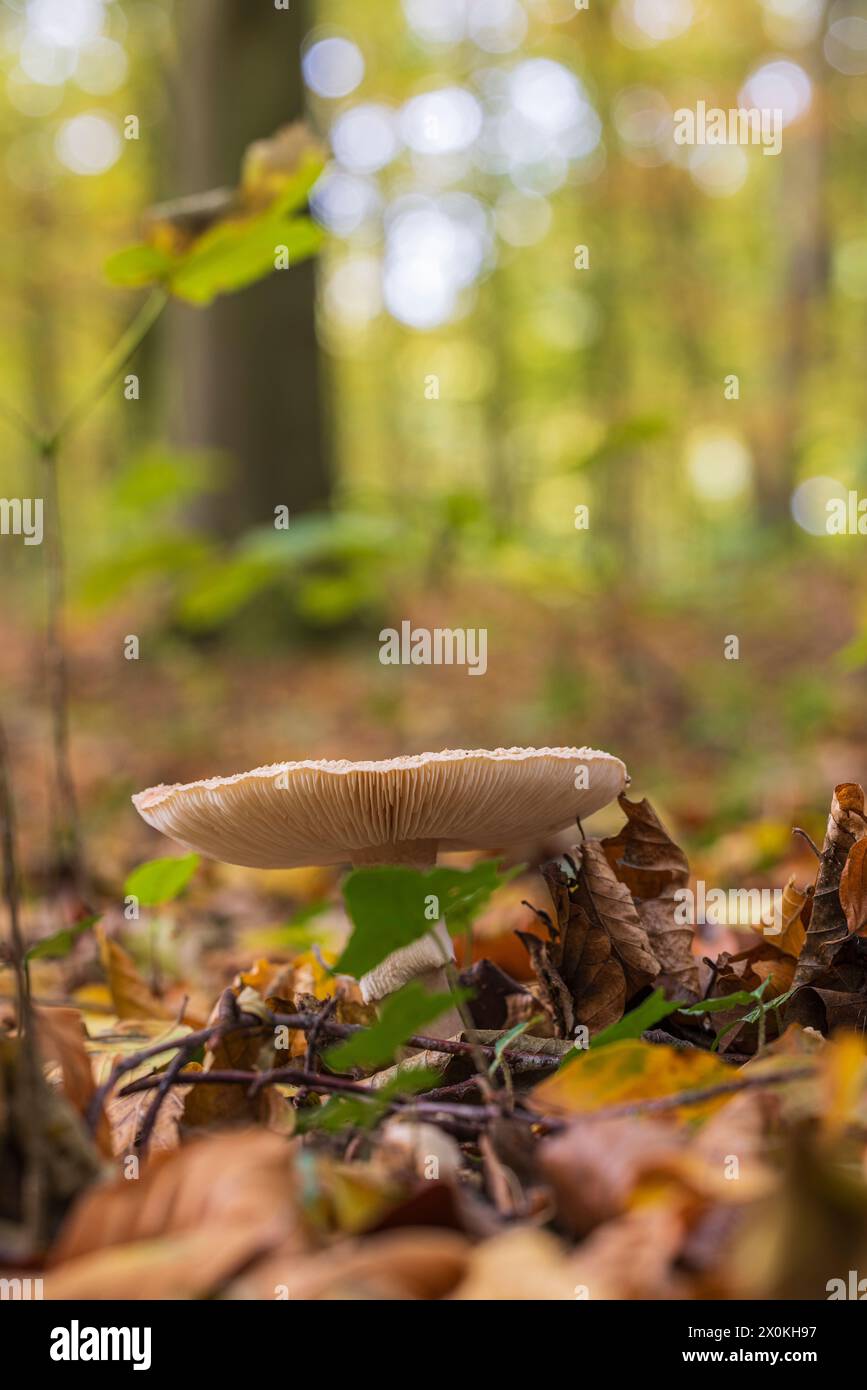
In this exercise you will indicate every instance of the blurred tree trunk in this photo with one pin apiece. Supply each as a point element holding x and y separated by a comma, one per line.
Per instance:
<point>803,214</point>
<point>245,372</point>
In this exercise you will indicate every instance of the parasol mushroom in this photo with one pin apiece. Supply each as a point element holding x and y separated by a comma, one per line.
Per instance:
<point>399,811</point>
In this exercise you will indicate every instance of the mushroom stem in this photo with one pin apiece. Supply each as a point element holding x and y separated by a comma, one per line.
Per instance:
<point>423,960</point>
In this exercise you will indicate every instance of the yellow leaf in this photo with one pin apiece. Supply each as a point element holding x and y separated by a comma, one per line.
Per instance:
<point>632,1071</point>
<point>843,1079</point>
<point>791,936</point>
<point>129,993</point>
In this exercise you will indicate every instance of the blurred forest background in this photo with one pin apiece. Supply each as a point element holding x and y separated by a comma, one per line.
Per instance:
<point>434,396</point>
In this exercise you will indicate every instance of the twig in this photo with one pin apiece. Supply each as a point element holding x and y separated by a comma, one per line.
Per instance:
<point>125,348</point>
<point>28,1080</point>
<point>68,849</point>
<point>22,426</point>
<point>467,1115</point>
<point>228,1017</point>
<point>313,1036</point>
<point>11,891</point>
<point>522,1061</point>
<point>796,830</point>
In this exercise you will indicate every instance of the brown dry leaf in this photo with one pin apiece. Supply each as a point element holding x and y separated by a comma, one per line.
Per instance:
<point>126,1113</point>
<point>195,1216</point>
<point>853,888</point>
<point>61,1036</point>
<point>224,1105</point>
<point>614,910</point>
<point>745,971</point>
<point>584,955</point>
<point>553,993</point>
<point>405,1264</point>
<point>522,1264</point>
<point>829,928</point>
<point>737,1131</point>
<point>594,1169</point>
<point>130,995</point>
<point>636,1255</point>
<point>645,858</point>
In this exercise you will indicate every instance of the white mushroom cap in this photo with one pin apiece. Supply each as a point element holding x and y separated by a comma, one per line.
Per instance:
<point>401,810</point>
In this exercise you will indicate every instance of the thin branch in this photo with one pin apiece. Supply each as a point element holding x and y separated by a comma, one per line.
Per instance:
<point>521,1061</point>
<point>67,833</point>
<point>125,348</point>
<point>22,426</point>
<point>796,830</point>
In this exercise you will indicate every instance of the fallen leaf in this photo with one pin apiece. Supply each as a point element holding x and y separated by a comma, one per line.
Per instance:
<point>645,858</point>
<point>404,1264</point>
<point>194,1218</point>
<point>829,928</point>
<point>853,887</point>
<point>130,995</point>
<point>616,912</point>
<point>61,1037</point>
<point>631,1071</point>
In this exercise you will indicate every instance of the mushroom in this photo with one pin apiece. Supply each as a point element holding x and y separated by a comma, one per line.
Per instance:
<point>399,811</point>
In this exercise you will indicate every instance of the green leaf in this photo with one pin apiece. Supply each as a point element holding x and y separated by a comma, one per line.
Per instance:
<point>391,907</point>
<point>651,1010</point>
<point>139,265</point>
<point>160,880</point>
<point>60,943</point>
<point>507,1039</point>
<point>402,1014</point>
<point>738,998</point>
<point>236,254</point>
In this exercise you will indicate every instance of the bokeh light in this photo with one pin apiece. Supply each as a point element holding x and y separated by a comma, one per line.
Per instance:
<point>333,67</point>
<point>497,26</point>
<point>522,219</point>
<point>434,249</point>
<point>778,86</point>
<point>719,464</point>
<point>792,22</point>
<point>365,138</point>
<point>441,122</point>
<point>101,67</point>
<point>345,202</point>
<point>68,23</point>
<point>809,503</point>
<point>718,170</point>
<point>645,23</point>
<point>88,144</point>
<point>444,22</point>
<point>352,292</point>
<point>846,44</point>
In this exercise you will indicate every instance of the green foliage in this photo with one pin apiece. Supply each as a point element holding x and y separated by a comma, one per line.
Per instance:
<point>403,1014</point>
<point>60,943</point>
<point>237,249</point>
<point>161,880</point>
<point>507,1039</point>
<point>390,907</point>
<point>137,266</point>
<point>235,255</point>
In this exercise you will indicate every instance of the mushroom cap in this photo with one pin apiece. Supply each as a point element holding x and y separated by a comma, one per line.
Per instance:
<point>291,815</point>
